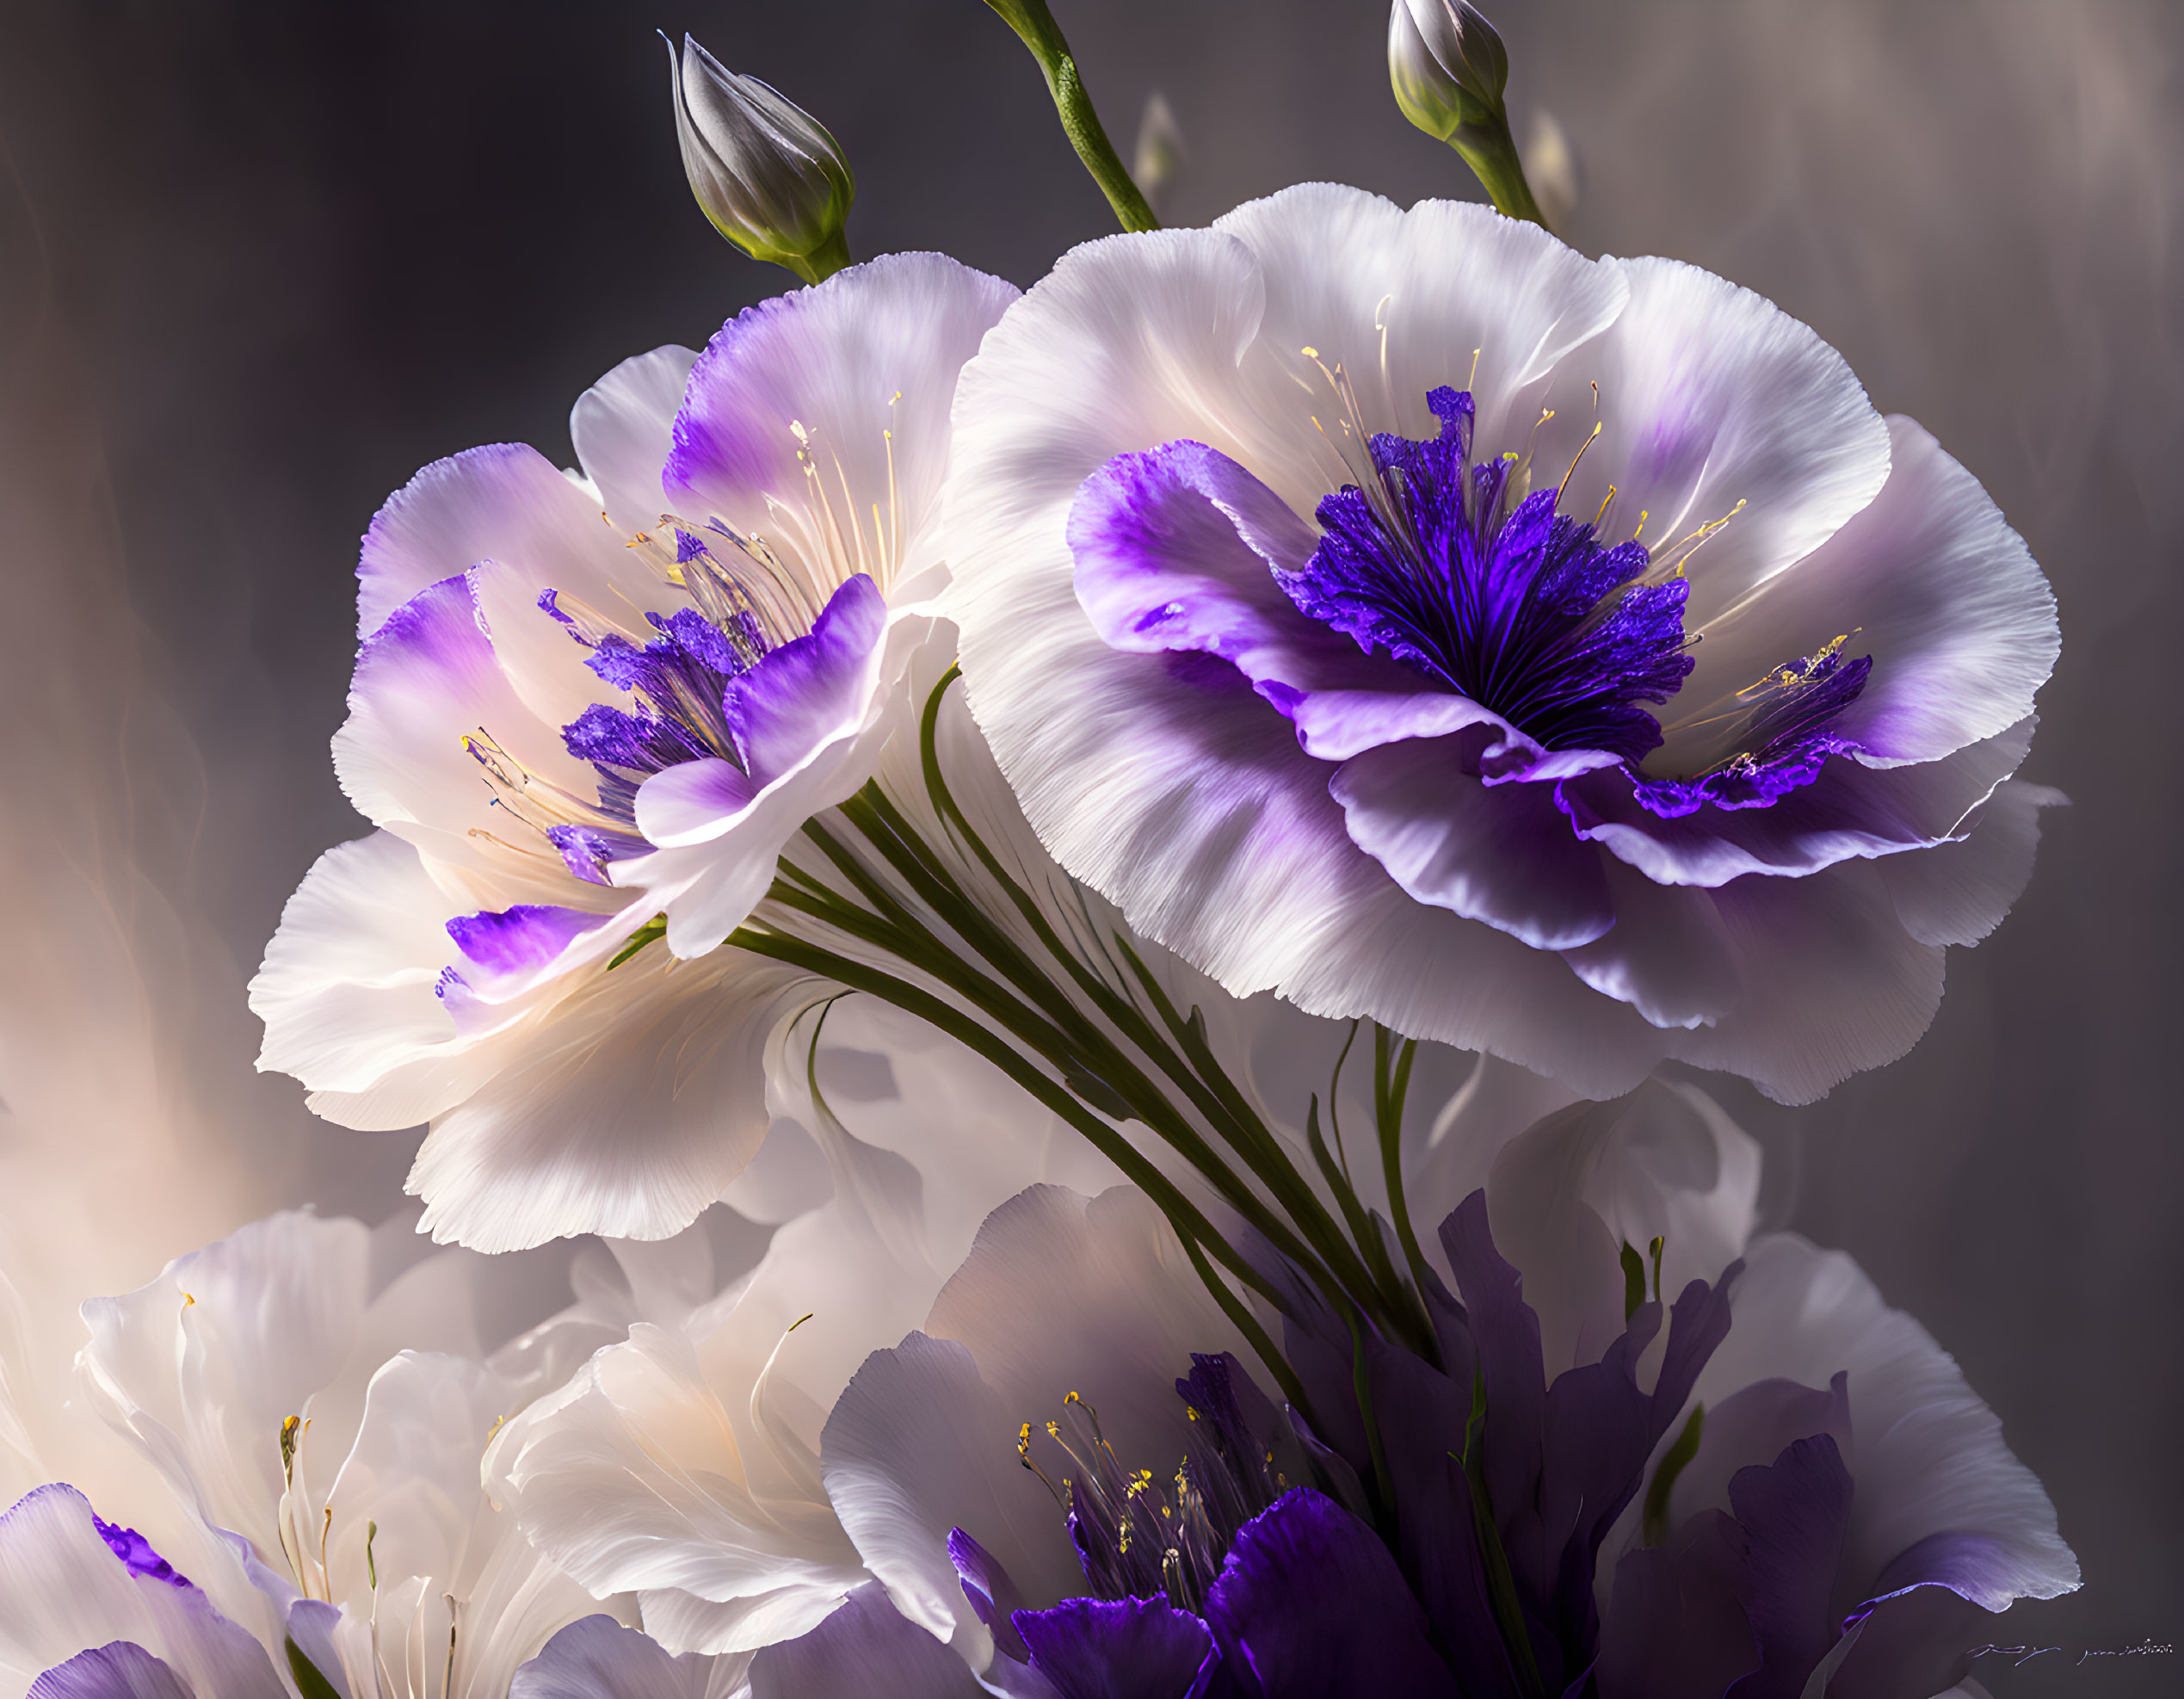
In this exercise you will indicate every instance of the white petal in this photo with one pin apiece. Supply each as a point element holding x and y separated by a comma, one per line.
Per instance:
<point>426,682</point>
<point>1931,582</point>
<point>1565,1197</point>
<point>852,378</point>
<point>632,1103</point>
<point>1136,1311</point>
<point>346,988</point>
<point>1930,1454</point>
<point>1833,984</point>
<point>622,427</point>
<point>201,1365</point>
<point>1959,893</point>
<point>1444,280</point>
<point>1709,396</point>
<point>919,1445</point>
<point>596,1658</point>
<point>635,1477</point>
<point>1497,1101</point>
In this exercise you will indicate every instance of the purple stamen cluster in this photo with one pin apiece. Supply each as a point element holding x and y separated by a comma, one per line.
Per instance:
<point>678,681</point>
<point>1517,609</point>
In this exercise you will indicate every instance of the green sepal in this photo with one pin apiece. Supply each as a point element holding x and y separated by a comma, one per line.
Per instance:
<point>309,1682</point>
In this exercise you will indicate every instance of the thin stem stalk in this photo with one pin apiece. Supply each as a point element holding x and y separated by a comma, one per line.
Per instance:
<point>1036,27</point>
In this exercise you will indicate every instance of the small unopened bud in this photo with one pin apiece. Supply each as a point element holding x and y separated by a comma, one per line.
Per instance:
<point>765,171</point>
<point>1448,64</point>
<point>1448,68</point>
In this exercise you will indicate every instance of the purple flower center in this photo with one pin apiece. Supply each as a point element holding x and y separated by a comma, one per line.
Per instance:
<point>1520,610</point>
<point>1525,611</point>
<point>1137,1537</point>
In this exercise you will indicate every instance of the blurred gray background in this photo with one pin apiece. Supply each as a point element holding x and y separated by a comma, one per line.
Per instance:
<point>259,262</point>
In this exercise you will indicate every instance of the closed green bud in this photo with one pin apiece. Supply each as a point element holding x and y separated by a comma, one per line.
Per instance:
<point>1448,64</point>
<point>764,171</point>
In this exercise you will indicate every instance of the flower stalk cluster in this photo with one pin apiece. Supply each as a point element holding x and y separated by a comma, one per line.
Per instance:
<point>1116,1049</point>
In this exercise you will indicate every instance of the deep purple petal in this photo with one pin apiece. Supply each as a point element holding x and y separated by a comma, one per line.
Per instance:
<point>1675,1626</point>
<point>1129,1648</point>
<point>1794,1511</point>
<point>1422,1415</point>
<point>1510,1362</point>
<point>809,690</point>
<point>1311,1603</point>
<point>992,1591</point>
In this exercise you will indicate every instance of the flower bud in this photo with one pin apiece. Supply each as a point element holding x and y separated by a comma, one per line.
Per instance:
<point>1448,64</point>
<point>764,171</point>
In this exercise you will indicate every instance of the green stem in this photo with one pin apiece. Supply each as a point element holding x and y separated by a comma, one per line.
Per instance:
<point>1390,1088</point>
<point>1182,1213</point>
<point>1201,1077</point>
<point>1076,1047</point>
<point>1260,1340</point>
<point>1490,150</point>
<point>1036,26</point>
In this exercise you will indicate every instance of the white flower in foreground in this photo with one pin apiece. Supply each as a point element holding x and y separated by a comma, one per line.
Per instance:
<point>329,1439</point>
<point>1556,657</point>
<point>683,1464</point>
<point>565,722</point>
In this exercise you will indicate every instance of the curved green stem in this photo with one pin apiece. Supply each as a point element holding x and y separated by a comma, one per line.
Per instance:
<point>1183,1214</point>
<point>1035,24</point>
<point>1490,150</point>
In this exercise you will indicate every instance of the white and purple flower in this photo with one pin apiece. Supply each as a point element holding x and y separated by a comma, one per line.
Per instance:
<point>579,729</point>
<point>1554,657</point>
<point>1773,1485</point>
